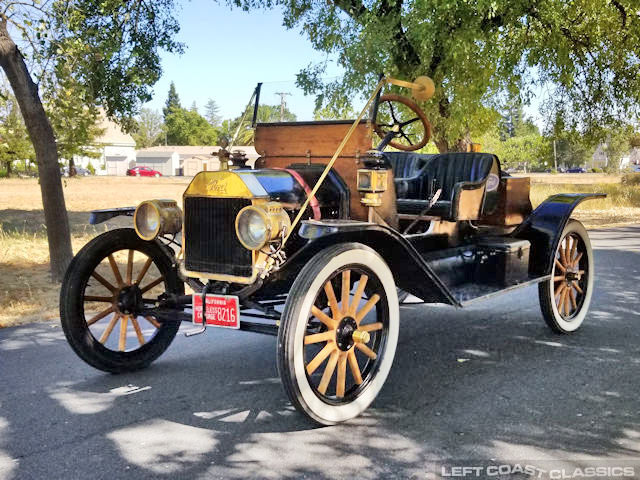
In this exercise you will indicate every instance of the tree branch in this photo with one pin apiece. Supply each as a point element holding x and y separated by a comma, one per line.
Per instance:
<point>354,8</point>
<point>24,4</point>
<point>623,12</point>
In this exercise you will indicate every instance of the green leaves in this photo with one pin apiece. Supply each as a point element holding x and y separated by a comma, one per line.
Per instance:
<point>72,114</point>
<point>585,52</point>
<point>14,140</point>
<point>113,48</point>
<point>188,127</point>
<point>149,129</point>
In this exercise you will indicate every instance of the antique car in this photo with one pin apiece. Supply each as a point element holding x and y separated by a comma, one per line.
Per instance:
<point>318,244</point>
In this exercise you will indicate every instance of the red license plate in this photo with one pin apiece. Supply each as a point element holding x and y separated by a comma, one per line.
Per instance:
<point>222,310</point>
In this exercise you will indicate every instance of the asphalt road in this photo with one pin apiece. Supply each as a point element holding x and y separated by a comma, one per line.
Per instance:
<point>485,386</point>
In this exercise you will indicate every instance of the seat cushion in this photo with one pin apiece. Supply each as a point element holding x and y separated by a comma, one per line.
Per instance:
<point>407,164</point>
<point>441,208</point>
<point>437,172</point>
<point>449,169</point>
<point>415,174</point>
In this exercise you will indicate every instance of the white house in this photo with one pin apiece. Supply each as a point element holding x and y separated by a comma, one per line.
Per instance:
<point>116,148</point>
<point>600,158</point>
<point>186,159</point>
<point>165,161</point>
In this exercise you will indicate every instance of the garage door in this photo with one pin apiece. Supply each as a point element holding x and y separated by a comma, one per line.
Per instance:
<point>116,166</point>
<point>162,165</point>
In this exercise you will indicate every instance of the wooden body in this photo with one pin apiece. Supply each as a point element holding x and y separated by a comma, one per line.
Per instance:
<point>470,204</point>
<point>514,204</point>
<point>282,144</point>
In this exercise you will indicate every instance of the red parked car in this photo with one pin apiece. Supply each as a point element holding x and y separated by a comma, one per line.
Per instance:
<point>143,172</point>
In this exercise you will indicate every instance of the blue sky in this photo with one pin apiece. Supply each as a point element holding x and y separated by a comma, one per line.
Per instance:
<point>227,52</point>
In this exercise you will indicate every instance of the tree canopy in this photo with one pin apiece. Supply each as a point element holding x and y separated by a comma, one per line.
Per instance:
<point>115,48</point>
<point>212,113</point>
<point>266,114</point>
<point>585,52</point>
<point>149,129</point>
<point>73,116</point>
<point>188,127</point>
<point>112,51</point>
<point>14,142</point>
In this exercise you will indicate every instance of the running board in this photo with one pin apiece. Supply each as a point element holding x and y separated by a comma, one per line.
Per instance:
<point>469,293</point>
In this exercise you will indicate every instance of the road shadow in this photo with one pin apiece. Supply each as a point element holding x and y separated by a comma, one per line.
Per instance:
<point>490,384</point>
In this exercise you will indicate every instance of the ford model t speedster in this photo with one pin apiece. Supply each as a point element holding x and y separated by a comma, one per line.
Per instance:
<point>317,244</point>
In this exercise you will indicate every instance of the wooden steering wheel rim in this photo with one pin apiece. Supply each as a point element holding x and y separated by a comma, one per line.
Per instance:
<point>413,106</point>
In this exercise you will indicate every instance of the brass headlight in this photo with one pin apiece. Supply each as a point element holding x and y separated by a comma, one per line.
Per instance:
<point>257,225</point>
<point>157,217</point>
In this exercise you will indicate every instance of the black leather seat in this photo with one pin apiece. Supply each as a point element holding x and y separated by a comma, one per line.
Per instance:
<point>407,164</point>
<point>416,175</point>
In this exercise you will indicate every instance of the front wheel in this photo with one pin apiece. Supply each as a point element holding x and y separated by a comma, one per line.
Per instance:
<point>338,334</point>
<point>565,297</point>
<point>102,301</point>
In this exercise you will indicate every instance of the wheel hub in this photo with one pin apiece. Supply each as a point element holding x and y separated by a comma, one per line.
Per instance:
<point>344,333</point>
<point>129,299</point>
<point>572,274</point>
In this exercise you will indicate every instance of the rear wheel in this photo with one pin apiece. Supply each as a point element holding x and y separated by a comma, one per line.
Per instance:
<point>565,297</point>
<point>104,290</point>
<point>338,333</point>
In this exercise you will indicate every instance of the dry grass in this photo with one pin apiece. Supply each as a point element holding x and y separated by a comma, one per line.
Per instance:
<point>574,178</point>
<point>621,206</point>
<point>90,193</point>
<point>26,293</point>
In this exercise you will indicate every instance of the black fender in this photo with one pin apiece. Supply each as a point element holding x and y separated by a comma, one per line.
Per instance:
<point>99,216</point>
<point>410,271</point>
<point>544,226</point>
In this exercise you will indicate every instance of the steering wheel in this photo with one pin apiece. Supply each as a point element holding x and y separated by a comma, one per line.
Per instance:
<point>396,128</point>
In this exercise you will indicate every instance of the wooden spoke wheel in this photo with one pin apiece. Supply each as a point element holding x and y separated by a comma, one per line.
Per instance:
<point>565,298</point>
<point>338,333</point>
<point>104,294</point>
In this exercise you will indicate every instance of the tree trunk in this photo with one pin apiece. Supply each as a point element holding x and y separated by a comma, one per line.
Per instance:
<point>44,143</point>
<point>441,144</point>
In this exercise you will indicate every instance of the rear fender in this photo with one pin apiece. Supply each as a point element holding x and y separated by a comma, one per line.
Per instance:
<point>410,271</point>
<point>544,226</point>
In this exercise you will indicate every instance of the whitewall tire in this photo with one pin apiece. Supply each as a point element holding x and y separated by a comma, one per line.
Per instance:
<point>339,333</point>
<point>565,297</point>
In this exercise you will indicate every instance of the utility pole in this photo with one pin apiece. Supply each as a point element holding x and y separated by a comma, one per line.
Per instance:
<point>555,157</point>
<point>283,103</point>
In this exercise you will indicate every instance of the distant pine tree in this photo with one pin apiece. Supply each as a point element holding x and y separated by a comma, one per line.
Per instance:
<point>173,101</point>
<point>212,113</point>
